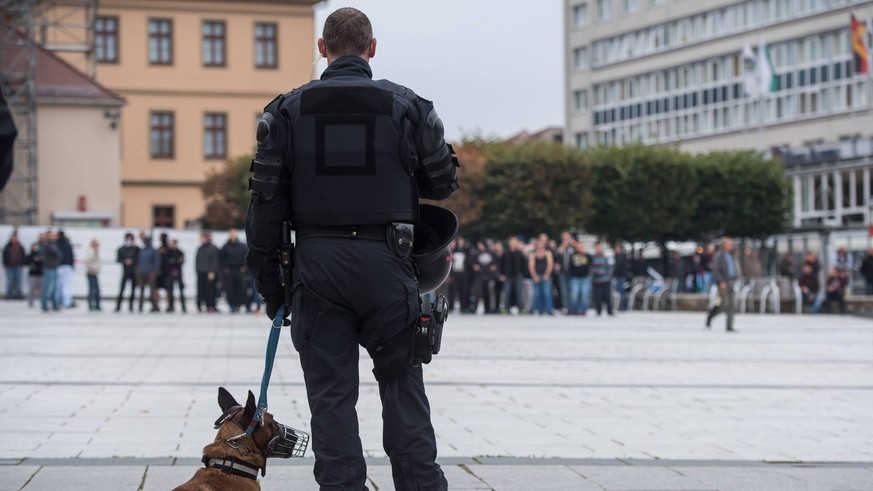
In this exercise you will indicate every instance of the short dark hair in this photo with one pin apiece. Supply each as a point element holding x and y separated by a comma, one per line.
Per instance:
<point>347,32</point>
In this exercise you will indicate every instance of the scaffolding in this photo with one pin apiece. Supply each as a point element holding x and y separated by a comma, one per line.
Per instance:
<point>65,27</point>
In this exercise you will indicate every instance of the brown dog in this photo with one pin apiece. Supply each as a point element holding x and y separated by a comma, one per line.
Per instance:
<point>234,459</point>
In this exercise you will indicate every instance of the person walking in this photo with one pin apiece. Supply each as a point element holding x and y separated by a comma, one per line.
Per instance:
<point>92,269</point>
<point>127,256</point>
<point>601,280</point>
<point>232,258</point>
<point>206,264</point>
<point>148,267</point>
<point>64,291</point>
<point>51,255</point>
<point>362,149</point>
<point>34,271</point>
<point>175,259</point>
<point>14,260</point>
<point>725,271</point>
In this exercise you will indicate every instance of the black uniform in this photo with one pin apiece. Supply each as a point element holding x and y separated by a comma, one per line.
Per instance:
<point>342,158</point>
<point>128,255</point>
<point>233,269</point>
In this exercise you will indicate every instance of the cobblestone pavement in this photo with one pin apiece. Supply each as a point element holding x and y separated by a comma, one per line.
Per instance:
<point>641,401</point>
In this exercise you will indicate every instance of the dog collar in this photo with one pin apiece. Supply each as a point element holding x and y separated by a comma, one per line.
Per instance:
<point>232,466</point>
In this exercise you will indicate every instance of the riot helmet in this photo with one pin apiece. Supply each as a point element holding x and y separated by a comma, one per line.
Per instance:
<point>431,251</point>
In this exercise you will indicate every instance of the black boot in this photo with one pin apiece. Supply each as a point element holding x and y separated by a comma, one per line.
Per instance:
<point>712,313</point>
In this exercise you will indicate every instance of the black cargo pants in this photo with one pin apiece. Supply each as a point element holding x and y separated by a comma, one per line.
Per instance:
<point>351,292</point>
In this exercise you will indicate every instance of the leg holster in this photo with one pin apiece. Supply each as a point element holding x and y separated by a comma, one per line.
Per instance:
<point>427,333</point>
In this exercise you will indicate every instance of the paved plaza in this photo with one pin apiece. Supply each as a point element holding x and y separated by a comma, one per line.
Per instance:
<point>641,401</point>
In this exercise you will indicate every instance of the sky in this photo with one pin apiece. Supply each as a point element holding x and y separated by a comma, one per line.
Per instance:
<point>492,67</point>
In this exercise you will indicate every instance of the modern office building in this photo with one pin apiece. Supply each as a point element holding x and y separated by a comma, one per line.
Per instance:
<point>673,72</point>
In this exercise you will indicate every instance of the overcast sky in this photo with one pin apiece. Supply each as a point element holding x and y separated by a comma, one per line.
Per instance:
<point>492,67</point>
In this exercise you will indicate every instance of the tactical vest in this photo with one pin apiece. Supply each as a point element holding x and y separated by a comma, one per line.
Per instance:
<point>352,165</point>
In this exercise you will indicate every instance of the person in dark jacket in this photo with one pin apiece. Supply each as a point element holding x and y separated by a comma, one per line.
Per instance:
<point>64,292</point>
<point>511,265</point>
<point>14,259</point>
<point>51,254</point>
<point>232,258</point>
<point>148,267</point>
<point>621,272</point>
<point>175,259</point>
<point>601,280</point>
<point>127,256</point>
<point>867,271</point>
<point>34,273</point>
<point>809,288</point>
<point>725,271</point>
<point>206,264</point>
<point>835,289</point>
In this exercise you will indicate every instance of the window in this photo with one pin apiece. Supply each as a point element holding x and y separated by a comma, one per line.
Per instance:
<point>164,216</point>
<point>580,58</point>
<point>580,100</point>
<point>629,6</point>
<point>215,135</point>
<point>106,39</point>
<point>266,43</point>
<point>580,15</point>
<point>604,9</point>
<point>162,134</point>
<point>160,41</point>
<point>213,43</point>
<point>582,140</point>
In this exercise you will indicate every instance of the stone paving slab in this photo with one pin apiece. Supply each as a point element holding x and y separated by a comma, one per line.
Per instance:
<point>518,402</point>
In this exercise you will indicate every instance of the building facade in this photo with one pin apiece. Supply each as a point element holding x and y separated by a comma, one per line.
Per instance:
<point>196,75</point>
<point>672,72</point>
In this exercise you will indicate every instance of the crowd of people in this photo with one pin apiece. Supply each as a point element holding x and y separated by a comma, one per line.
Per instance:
<point>539,276</point>
<point>536,276</point>
<point>150,273</point>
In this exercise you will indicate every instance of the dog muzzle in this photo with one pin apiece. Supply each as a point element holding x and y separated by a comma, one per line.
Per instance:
<point>288,442</point>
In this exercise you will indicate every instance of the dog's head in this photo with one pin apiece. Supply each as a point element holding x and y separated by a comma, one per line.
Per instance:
<point>270,438</point>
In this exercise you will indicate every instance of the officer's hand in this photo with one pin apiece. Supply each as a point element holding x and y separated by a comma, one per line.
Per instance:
<point>273,303</point>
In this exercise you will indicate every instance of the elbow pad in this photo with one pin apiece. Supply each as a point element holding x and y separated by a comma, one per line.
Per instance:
<point>271,176</point>
<point>435,155</point>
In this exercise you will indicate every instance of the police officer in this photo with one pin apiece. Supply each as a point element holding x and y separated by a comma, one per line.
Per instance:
<point>345,160</point>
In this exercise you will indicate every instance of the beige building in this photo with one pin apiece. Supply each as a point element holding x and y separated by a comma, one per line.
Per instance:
<point>195,74</point>
<point>77,146</point>
<point>671,72</point>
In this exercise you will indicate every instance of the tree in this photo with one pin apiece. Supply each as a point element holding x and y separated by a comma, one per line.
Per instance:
<point>742,194</point>
<point>225,191</point>
<point>642,194</point>
<point>534,187</point>
<point>467,201</point>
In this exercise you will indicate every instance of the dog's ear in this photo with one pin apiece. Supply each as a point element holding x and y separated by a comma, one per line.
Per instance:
<point>225,400</point>
<point>249,412</point>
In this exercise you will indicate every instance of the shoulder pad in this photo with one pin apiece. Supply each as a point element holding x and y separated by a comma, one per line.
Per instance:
<point>275,103</point>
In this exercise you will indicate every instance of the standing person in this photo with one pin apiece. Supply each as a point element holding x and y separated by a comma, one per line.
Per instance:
<point>708,276</point>
<point>51,255</point>
<point>350,289</point>
<point>511,265</point>
<point>65,271</point>
<point>232,258</point>
<point>725,271</point>
<point>621,272</point>
<point>148,267</point>
<point>163,249</point>
<point>127,256</point>
<point>484,271</point>
<point>458,282</point>
<point>175,260</point>
<point>499,280</point>
<point>540,264</point>
<point>92,270</point>
<point>206,264</point>
<point>601,280</point>
<point>867,270</point>
<point>563,258</point>
<point>843,261</point>
<point>580,281</point>
<point>34,273</point>
<point>14,259</point>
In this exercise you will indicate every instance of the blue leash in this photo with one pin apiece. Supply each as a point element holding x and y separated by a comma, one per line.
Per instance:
<point>272,345</point>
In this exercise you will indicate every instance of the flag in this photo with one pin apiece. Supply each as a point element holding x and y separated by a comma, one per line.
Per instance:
<point>750,72</point>
<point>860,47</point>
<point>766,73</point>
<point>758,74</point>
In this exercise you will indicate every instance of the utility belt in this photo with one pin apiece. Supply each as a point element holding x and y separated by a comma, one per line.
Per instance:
<point>398,236</point>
